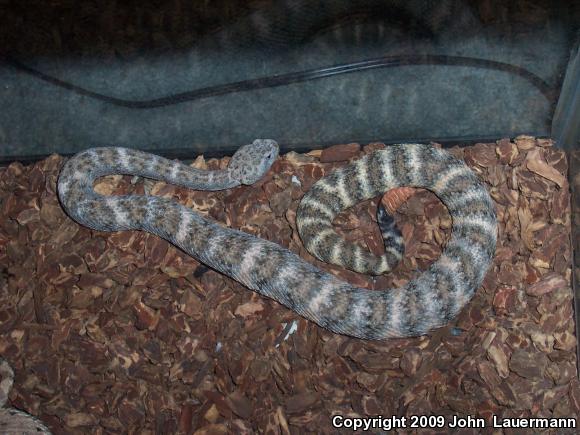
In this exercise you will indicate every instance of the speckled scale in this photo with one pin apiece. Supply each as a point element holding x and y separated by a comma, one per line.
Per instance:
<point>427,302</point>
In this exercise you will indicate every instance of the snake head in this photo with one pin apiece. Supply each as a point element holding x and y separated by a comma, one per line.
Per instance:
<point>251,162</point>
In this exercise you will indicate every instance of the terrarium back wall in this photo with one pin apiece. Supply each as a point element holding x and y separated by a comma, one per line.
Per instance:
<point>210,76</point>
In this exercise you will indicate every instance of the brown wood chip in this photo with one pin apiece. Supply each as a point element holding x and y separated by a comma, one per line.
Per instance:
<point>123,333</point>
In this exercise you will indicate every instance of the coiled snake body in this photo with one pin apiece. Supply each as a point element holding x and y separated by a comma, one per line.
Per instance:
<point>425,303</point>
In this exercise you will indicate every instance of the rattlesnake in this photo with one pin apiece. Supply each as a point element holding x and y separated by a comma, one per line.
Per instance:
<point>13,421</point>
<point>427,302</point>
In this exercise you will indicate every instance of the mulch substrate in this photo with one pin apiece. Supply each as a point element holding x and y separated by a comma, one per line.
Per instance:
<point>124,333</point>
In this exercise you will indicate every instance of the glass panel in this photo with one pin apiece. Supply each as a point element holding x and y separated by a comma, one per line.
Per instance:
<point>184,79</point>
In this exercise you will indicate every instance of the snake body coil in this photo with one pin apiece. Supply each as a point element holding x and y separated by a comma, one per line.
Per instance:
<point>425,303</point>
